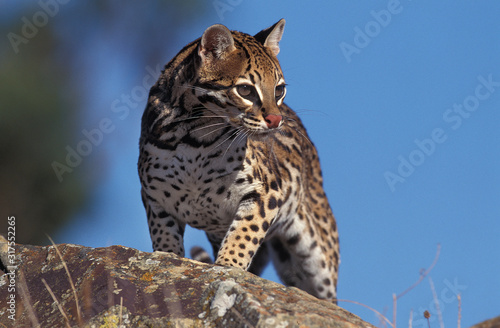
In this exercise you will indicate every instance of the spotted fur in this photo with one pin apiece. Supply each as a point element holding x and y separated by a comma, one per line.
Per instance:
<point>220,151</point>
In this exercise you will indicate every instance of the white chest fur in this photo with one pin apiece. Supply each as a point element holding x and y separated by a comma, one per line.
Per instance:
<point>202,187</point>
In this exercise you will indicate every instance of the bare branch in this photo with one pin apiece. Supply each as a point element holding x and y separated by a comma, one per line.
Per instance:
<point>57,302</point>
<point>423,274</point>
<point>79,315</point>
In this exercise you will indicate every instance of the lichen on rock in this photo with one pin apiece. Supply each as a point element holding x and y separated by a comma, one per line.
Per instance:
<point>118,285</point>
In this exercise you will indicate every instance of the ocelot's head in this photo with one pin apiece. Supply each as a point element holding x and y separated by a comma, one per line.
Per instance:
<point>239,77</point>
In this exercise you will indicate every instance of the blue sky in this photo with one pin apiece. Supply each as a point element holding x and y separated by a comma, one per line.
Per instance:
<point>402,100</point>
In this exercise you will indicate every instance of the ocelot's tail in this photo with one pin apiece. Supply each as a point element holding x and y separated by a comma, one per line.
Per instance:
<point>199,254</point>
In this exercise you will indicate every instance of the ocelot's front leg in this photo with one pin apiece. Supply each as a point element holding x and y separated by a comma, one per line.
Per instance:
<point>165,229</point>
<point>248,230</point>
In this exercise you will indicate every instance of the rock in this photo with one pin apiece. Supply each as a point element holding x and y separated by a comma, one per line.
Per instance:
<point>120,285</point>
<point>492,323</point>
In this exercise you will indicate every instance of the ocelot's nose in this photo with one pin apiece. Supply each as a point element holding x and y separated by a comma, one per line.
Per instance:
<point>273,121</point>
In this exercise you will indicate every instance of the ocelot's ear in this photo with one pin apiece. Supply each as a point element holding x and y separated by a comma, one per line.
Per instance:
<point>271,36</point>
<point>216,43</point>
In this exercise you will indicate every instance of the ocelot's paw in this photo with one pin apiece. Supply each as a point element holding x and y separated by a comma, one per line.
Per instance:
<point>199,254</point>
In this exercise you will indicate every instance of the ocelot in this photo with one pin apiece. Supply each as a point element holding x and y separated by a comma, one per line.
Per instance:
<point>220,151</point>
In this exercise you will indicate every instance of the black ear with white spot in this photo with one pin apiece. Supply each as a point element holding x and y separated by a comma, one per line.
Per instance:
<point>271,36</point>
<point>216,43</point>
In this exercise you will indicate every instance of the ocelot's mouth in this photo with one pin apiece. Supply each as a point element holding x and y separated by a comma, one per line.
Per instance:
<point>260,130</point>
<point>265,124</point>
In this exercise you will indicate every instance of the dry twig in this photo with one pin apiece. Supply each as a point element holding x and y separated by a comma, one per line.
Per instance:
<point>79,315</point>
<point>57,302</point>
<point>369,308</point>
<point>436,302</point>
<point>423,273</point>
<point>459,297</point>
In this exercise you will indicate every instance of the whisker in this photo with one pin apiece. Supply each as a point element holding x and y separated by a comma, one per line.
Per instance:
<point>212,111</point>
<point>197,117</point>
<point>208,126</point>
<point>213,116</point>
<point>230,136</point>
<point>290,119</point>
<point>298,130</point>
<point>305,137</point>
<point>245,134</point>
<point>239,132</point>
<point>218,129</point>
<point>183,119</point>
<point>194,87</point>
<point>313,111</point>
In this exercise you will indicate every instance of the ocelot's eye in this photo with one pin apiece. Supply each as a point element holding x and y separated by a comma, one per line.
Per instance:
<point>245,90</point>
<point>280,91</point>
